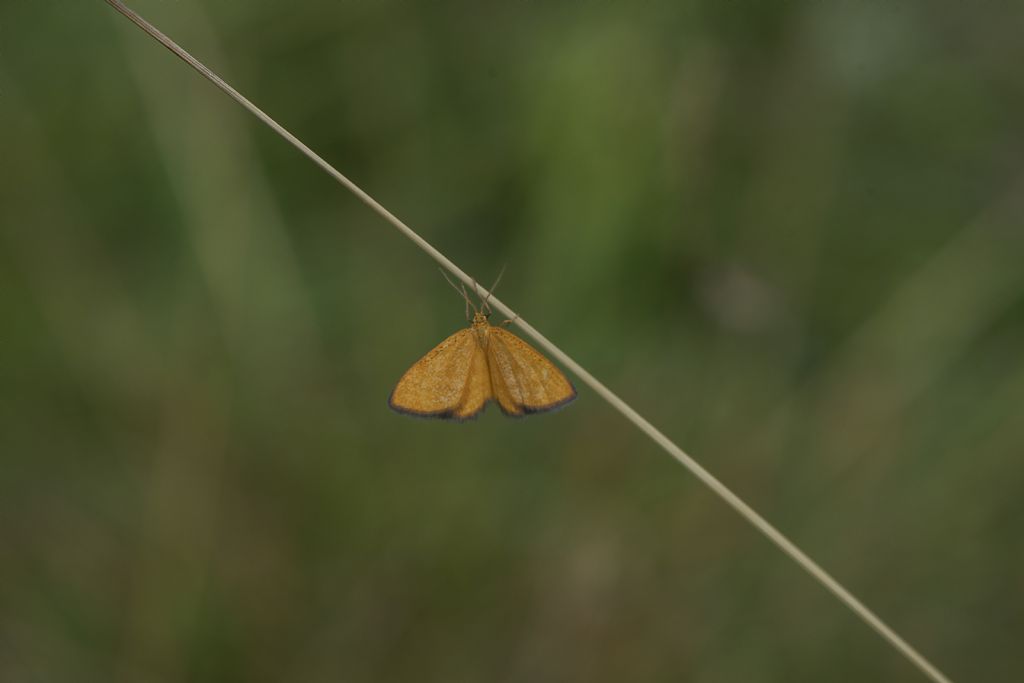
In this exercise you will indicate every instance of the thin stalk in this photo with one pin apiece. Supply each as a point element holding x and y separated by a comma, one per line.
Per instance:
<point>723,492</point>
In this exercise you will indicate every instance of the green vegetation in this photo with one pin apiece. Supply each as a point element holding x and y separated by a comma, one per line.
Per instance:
<point>790,233</point>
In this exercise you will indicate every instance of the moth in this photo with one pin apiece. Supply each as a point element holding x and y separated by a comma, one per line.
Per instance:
<point>481,363</point>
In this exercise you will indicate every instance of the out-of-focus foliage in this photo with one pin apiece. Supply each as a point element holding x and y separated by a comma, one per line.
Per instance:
<point>788,232</point>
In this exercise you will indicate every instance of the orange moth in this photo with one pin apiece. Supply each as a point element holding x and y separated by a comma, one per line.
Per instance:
<point>478,364</point>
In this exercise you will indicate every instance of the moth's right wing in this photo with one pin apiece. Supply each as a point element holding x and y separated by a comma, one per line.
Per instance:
<point>523,380</point>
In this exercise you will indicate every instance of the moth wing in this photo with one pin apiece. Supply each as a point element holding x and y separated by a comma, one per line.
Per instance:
<point>523,380</point>
<point>436,385</point>
<point>477,391</point>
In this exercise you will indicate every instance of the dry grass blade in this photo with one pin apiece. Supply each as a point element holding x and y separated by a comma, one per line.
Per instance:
<point>633,416</point>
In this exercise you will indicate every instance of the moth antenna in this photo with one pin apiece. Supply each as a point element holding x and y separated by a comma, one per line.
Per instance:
<point>483,303</point>
<point>493,287</point>
<point>469,302</point>
<point>462,292</point>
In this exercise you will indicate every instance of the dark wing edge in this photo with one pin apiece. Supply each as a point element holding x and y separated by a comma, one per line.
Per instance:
<point>446,415</point>
<point>549,408</point>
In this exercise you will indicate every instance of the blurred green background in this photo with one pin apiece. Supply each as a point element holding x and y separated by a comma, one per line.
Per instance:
<point>789,233</point>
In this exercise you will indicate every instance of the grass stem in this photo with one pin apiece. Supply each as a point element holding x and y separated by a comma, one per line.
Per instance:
<point>722,491</point>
